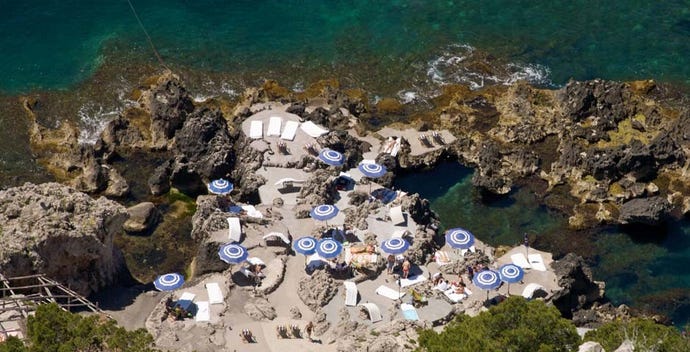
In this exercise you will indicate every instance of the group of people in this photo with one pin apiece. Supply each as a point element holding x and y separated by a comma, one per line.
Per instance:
<point>393,262</point>
<point>174,311</point>
<point>442,284</point>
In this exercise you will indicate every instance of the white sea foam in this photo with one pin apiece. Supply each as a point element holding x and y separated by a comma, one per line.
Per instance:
<point>452,66</point>
<point>408,96</point>
<point>92,120</point>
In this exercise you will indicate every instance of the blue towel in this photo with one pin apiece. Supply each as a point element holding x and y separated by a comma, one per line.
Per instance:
<point>410,314</point>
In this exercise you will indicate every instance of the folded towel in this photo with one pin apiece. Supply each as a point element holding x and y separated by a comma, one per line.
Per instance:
<point>203,312</point>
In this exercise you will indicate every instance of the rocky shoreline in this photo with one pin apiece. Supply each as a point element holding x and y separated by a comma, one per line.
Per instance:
<point>606,153</point>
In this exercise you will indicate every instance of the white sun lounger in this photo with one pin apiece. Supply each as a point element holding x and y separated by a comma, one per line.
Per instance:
<point>412,281</point>
<point>472,249</point>
<point>312,129</point>
<point>290,130</point>
<point>442,258</point>
<point>235,229</point>
<point>537,262</point>
<point>215,295</point>
<point>388,292</point>
<point>520,260</point>
<point>409,312</point>
<point>274,125</point>
<point>256,130</point>
<point>350,293</point>
<point>186,300</point>
<point>255,261</point>
<point>252,212</point>
<point>529,290</point>
<point>396,215</point>
<point>456,297</point>
<point>374,311</point>
<point>246,272</point>
<point>399,233</point>
<point>203,311</point>
<point>287,181</point>
<point>279,235</point>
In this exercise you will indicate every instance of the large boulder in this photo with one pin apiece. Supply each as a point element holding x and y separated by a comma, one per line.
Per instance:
<point>647,211</point>
<point>142,218</point>
<point>169,104</point>
<point>55,230</point>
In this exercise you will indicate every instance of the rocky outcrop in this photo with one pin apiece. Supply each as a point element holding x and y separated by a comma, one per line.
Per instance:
<point>65,234</point>
<point>317,290</point>
<point>577,288</point>
<point>395,336</point>
<point>590,346</point>
<point>260,309</point>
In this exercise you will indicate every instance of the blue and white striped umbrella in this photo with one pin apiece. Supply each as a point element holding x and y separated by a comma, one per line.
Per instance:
<point>511,273</point>
<point>459,238</point>
<point>487,280</point>
<point>331,157</point>
<point>233,253</point>
<point>372,170</point>
<point>168,282</point>
<point>395,246</point>
<point>220,186</point>
<point>328,248</point>
<point>324,212</point>
<point>305,245</point>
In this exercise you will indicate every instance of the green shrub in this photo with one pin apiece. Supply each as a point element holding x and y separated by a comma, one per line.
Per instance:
<point>514,325</point>
<point>52,329</point>
<point>645,334</point>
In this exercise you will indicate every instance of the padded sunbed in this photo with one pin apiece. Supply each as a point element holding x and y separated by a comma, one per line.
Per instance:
<point>537,262</point>
<point>350,293</point>
<point>203,311</point>
<point>409,312</point>
<point>412,280</point>
<point>215,295</point>
<point>235,229</point>
<point>274,125</point>
<point>290,130</point>
<point>388,292</point>
<point>256,130</point>
<point>312,129</point>
<point>397,216</point>
<point>520,260</point>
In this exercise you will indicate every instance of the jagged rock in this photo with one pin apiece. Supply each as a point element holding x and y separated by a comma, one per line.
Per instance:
<point>648,211</point>
<point>316,291</point>
<point>297,109</point>
<point>159,181</point>
<point>65,234</point>
<point>295,313</point>
<point>142,218</point>
<point>397,335</point>
<point>117,185</point>
<point>600,314</point>
<point>169,104</point>
<point>590,346</point>
<point>321,324</point>
<point>260,309</point>
<point>577,288</point>
<point>205,145</point>
<point>318,189</point>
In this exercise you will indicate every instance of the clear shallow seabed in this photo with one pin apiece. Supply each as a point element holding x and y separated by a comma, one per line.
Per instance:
<point>63,49</point>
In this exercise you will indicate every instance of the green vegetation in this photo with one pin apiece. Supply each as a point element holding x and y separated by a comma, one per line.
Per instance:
<point>52,329</point>
<point>176,196</point>
<point>513,325</point>
<point>645,334</point>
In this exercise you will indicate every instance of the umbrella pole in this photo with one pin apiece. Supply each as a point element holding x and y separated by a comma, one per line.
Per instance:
<point>509,289</point>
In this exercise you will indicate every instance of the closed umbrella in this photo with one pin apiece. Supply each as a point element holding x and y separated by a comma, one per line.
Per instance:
<point>487,280</point>
<point>459,238</point>
<point>220,187</point>
<point>395,246</point>
<point>331,157</point>
<point>328,248</point>
<point>510,274</point>
<point>232,253</point>
<point>168,282</point>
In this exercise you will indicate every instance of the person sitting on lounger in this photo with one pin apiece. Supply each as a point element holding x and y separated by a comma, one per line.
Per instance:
<point>390,264</point>
<point>443,285</point>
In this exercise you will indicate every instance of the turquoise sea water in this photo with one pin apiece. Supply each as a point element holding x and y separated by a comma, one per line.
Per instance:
<point>388,47</point>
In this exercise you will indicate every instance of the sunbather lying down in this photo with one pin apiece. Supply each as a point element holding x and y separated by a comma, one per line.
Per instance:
<point>362,249</point>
